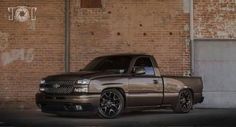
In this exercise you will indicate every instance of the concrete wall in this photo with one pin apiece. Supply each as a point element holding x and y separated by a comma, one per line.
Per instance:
<point>215,29</point>
<point>215,61</point>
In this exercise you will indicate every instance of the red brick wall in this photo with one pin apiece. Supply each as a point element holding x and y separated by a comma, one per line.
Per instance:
<point>29,50</point>
<point>34,49</point>
<point>215,19</point>
<point>158,27</point>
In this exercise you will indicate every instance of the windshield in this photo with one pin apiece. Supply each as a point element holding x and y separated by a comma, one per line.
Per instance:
<point>119,64</point>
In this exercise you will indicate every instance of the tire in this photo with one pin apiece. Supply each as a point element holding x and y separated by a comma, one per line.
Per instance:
<point>185,102</point>
<point>111,104</point>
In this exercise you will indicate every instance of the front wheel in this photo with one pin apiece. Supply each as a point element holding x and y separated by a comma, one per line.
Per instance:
<point>111,104</point>
<point>185,102</point>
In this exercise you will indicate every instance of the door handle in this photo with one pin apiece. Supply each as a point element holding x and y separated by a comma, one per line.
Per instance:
<point>155,81</point>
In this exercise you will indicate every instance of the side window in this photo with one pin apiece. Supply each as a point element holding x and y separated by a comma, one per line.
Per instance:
<point>146,63</point>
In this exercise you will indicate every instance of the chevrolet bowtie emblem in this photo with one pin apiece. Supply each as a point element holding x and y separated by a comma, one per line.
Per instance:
<point>56,86</point>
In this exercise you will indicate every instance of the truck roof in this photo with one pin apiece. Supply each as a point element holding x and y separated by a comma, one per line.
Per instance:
<point>129,54</point>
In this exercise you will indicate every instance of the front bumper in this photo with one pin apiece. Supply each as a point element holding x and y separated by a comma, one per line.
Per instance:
<point>67,103</point>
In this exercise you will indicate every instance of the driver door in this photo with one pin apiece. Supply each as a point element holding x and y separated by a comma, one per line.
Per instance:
<point>144,89</point>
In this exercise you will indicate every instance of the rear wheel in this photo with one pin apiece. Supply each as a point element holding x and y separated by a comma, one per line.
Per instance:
<point>111,103</point>
<point>185,102</point>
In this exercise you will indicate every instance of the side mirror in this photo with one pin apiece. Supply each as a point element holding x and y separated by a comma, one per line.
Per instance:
<point>138,70</point>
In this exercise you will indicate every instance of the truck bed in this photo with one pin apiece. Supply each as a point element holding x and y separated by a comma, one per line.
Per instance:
<point>193,83</point>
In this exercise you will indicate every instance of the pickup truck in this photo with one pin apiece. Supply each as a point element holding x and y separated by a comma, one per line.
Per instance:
<point>111,84</point>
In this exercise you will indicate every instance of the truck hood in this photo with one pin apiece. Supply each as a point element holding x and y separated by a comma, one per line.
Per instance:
<point>80,75</point>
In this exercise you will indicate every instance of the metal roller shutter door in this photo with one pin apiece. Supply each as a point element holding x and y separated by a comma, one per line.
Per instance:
<point>215,61</point>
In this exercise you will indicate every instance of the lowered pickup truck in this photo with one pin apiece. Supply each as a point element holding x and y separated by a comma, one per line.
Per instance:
<point>111,84</point>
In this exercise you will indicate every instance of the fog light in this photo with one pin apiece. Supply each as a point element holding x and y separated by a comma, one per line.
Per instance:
<point>81,90</point>
<point>78,107</point>
<point>41,89</point>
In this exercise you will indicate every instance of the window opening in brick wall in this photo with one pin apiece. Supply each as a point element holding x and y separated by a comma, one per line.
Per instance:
<point>91,4</point>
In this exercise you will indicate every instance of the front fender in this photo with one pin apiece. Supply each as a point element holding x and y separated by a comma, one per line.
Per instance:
<point>98,85</point>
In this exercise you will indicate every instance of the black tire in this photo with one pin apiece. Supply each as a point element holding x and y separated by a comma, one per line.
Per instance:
<point>111,104</point>
<point>185,102</point>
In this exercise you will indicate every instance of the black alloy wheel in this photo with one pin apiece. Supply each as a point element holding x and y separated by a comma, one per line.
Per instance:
<point>185,101</point>
<point>111,103</point>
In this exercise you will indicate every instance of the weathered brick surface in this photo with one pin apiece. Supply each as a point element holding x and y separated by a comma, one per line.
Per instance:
<point>29,50</point>
<point>215,19</point>
<point>147,26</point>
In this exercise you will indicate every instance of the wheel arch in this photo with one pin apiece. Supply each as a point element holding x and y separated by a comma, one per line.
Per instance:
<point>121,90</point>
<point>178,107</point>
<point>190,89</point>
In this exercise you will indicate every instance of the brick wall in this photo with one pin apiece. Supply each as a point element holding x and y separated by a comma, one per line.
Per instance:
<point>215,19</point>
<point>29,50</point>
<point>34,49</point>
<point>158,27</point>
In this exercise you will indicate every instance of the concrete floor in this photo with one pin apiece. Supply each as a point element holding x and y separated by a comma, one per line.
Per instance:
<point>197,117</point>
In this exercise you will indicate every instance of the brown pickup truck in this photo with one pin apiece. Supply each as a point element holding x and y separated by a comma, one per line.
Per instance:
<point>111,84</point>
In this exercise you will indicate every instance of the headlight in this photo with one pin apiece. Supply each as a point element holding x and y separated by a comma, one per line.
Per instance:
<point>81,90</point>
<point>41,89</point>
<point>42,81</point>
<point>83,82</point>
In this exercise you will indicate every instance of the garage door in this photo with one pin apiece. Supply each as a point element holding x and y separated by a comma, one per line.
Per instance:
<point>215,61</point>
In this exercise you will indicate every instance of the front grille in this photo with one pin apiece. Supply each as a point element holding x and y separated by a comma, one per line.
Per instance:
<point>69,82</point>
<point>59,87</point>
<point>60,90</point>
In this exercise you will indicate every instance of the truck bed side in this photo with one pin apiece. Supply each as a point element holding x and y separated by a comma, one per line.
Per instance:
<point>173,84</point>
